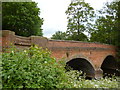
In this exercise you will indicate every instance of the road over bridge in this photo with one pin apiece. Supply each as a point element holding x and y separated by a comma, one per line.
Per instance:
<point>94,59</point>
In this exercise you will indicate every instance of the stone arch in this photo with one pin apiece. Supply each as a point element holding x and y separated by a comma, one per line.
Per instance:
<point>83,65</point>
<point>109,66</point>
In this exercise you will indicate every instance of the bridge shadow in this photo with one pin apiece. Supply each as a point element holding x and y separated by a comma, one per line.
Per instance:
<point>110,67</point>
<point>83,65</point>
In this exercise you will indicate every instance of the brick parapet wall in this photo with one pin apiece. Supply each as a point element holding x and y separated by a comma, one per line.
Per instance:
<point>58,44</point>
<point>9,37</point>
<point>22,41</point>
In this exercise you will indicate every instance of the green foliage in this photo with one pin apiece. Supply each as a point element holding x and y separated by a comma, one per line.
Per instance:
<point>59,35</point>
<point>106,26</point>
<point>34,68</point>
<point>22,18</point>
<point>64,36</point>
<point>74,36</point>
<point>79,14</point>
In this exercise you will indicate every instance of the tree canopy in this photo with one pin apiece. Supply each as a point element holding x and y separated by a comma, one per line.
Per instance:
<point>106,26</point>
<point>79,14</point>
<point>22,18</point>
<point>59,35</point>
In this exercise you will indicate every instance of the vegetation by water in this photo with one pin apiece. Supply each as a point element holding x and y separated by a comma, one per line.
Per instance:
<point>34,68</point>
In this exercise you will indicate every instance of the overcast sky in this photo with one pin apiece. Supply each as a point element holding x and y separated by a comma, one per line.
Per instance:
<point>53,13</point>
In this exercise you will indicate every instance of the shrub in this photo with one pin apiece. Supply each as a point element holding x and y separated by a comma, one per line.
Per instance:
<point>32,68</point>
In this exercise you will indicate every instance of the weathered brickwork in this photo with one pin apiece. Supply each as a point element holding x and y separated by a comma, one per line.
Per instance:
<point>95,53</point>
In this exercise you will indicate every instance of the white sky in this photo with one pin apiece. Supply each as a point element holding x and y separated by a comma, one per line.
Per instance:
<point>53,13</point>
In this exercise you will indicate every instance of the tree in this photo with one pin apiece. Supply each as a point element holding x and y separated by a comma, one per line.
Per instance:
<point>80,37</point>
<point>59,35</point>
<point>79,14</point>
<point>118,24</point>
<point>22,18</point>
<point>106,26</point>
<point>104,31</point>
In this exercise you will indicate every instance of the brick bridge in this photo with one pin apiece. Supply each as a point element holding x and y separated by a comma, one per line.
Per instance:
<point>95,59</point>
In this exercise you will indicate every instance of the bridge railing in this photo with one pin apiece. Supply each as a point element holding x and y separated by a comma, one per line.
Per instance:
<point>9,37</point>
<point>79,44</point>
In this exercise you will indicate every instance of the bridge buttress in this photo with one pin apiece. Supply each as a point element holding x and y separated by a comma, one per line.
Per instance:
<point>98,73</point>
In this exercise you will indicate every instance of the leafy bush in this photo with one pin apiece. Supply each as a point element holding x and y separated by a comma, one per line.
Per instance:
<point>34,68</point>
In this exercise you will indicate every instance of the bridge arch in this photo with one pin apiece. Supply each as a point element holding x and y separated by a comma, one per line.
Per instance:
<point>83,65</point>
<point>109,66</point>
